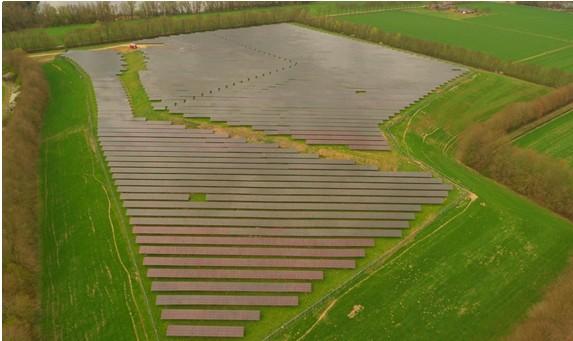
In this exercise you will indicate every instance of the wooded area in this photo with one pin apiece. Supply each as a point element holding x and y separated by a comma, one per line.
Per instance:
<point>20,235</point>
<point>486,147</point>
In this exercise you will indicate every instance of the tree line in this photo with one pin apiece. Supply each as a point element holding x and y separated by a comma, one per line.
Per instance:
<point>21,140</point>
<point>124,30</point>
<point>31,14</point>
<point>487,148</point>
<point>529,72</point>
<point>164,25</point>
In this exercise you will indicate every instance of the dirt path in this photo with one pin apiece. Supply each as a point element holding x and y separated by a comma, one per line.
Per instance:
<point>121,47</point>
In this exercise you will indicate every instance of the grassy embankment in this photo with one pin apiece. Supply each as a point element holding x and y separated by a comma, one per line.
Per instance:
<point>471,274</point>
<point>92,287</point>
<point>553,138</point>
<point>547,39</point>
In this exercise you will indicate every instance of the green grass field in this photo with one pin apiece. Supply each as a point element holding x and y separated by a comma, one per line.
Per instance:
<point>553,138</point>
<point>92,287</point>
<point>509,32</point>
<point>472,274</point>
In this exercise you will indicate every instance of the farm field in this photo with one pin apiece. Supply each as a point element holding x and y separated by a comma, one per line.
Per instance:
<point>553,138</point>
<point>94,289</point>
<point>494,32</point>
<point>562,59</point>
<point>468,266</point>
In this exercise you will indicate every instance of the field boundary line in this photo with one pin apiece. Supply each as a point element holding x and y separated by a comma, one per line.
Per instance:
<point>372,11</point>
<point>544,53</point>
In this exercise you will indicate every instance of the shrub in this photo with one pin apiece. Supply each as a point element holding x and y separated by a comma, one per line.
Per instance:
<point>20,241</point>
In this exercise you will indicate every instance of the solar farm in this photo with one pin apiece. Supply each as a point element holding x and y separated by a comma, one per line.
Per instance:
<point>279,172</point>
<point>285,80</point>
<point>273,220</point>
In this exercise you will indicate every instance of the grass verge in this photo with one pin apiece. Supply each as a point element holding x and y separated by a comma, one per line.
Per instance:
<point>92,287</point>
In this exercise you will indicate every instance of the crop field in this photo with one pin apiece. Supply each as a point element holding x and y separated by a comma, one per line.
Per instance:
<point>553,138</point>
<point>496,31</point>
<point>563,59</point>
<point>265,190</point>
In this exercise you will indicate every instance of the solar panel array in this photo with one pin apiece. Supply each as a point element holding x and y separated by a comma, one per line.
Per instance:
<point>285,79</point>
<point>274,220</point>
